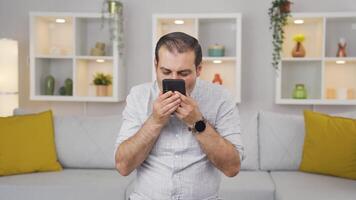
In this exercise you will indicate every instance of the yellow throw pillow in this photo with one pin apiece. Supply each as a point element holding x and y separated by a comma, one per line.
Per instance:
<point>27,144</point>
<point>329,145</point>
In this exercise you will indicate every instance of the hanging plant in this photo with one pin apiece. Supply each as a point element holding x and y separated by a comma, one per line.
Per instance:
<point>114,9</point>
<point>278,13</point>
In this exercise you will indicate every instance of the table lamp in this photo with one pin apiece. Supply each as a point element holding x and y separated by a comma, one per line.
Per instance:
<point>9,98</point>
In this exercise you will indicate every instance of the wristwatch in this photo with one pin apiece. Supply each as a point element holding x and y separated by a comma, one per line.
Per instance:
<point>198,126</point>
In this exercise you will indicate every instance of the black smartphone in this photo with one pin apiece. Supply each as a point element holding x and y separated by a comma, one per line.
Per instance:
<point>173,85</point>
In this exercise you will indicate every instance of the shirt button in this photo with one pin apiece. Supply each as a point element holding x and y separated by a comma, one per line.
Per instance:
<point>177,135</point>
<point>176,156</point>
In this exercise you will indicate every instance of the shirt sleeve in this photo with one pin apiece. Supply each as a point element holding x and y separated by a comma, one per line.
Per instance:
<point>228,124</point>
<point>131,122</point>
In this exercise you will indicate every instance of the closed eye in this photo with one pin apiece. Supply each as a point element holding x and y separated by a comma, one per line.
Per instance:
<point>185,73</point>
<point>165,71</point>
<point>182,73</point>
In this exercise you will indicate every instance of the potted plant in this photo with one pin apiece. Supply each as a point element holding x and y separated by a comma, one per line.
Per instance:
<point>102,81</point>
<point>278,14</point>
<point>114,9</point>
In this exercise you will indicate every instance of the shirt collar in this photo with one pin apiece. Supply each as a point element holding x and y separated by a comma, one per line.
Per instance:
<point>156,89</point>
<point>195,91</point>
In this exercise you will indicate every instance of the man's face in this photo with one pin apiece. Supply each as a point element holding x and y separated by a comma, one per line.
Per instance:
<point>177,66</point>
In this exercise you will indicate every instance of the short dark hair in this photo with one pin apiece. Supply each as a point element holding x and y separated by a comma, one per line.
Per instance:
<point>180,42</point>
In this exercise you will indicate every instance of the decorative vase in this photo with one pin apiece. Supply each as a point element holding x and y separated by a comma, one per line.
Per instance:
<point>100,45</point>
<point>98,50</point>
<point>299,92</point>
<point>54,50</point>
<point>341,52</point>
<point>342,93</point>
<point>216,50</point>
<point>350,93</point>
<point>49,85</point>
<point>298,50</point>
<point>217,79</point>
<point>62,91</point>
<point>114,6</point>
<point>330,93</point>
<point>68,86</point>
<point>101,90</point>
<point>285,7</point>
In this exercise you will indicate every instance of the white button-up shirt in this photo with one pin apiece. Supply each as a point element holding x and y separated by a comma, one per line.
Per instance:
<point>176,167</point>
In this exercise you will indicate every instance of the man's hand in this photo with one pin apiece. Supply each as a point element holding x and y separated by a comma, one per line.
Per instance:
<point>219,151</point>
<point>188,111</point>
<point>133,151</point>
<point>164,106</point>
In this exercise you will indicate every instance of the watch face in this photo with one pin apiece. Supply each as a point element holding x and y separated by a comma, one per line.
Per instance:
<point>200,126</point>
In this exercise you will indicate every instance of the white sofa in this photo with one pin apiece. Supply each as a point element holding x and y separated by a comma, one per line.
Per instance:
<point>85,147</point>
<point>280,139</point>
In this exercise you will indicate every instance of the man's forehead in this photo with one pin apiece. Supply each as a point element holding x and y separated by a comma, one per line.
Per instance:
<point>177,68</point>
<point>176,61</point>
<point>175,51</point>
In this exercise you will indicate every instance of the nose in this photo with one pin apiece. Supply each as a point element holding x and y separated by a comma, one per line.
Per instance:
<point>175,76</point>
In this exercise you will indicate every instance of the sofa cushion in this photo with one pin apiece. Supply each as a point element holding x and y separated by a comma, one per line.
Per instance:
<point>322,132</point>
<point>249,140</point>
<point>247,185</point>
<point>27,144</point>
<point>281,139</point>
<point>69,184</point>
<point>86,142</point>
<point>300,185</point>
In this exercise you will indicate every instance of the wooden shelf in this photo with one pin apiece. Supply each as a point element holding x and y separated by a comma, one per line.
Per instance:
<point>302,59</point>
<point>75,99</point>
<point>316,102</point>
<point>209,29</point>
<point>95,57</point>
<point>54,57</point>
<point>340,58</point>
<point>219,58</point>
<point>324,75</point>
<point>62,50</point>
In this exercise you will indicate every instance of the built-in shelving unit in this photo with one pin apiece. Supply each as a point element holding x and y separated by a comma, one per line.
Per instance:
<point>209,29</point>
<point>328,79</point>
<point>60,46</point>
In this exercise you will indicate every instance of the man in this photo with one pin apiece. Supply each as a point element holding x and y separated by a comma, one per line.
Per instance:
<point>178,143</point>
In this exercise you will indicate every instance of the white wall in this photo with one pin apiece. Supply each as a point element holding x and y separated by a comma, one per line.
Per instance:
<point>258,76</point>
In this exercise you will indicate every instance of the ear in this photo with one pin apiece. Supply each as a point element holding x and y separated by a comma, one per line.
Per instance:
<point>156,63</point>
<point>199,68</point>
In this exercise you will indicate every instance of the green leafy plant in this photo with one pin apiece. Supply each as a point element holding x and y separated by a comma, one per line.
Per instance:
<point>102,79</point>
<point>115,19</point>
<point>278,13</point>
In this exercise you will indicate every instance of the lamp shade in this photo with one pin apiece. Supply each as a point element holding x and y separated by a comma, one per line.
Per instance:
<point>8,76</point>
